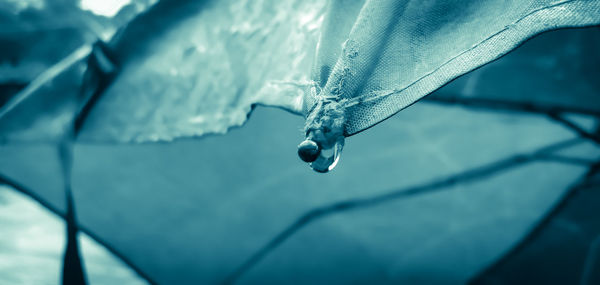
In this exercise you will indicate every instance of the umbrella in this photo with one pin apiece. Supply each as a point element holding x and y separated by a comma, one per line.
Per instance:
<point>217,208</point>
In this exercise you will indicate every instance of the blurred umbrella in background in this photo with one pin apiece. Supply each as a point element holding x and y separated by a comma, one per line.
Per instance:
<point>487,160</point>
<point>36,34</point>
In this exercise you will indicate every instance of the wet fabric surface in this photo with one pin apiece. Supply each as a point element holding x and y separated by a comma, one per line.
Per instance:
<point>410,58</point>
<point>437,193</point>
<point>396,52</point>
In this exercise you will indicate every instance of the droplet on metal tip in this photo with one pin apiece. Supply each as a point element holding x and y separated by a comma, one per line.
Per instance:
<point>308,150</point>
<point>326,162</point>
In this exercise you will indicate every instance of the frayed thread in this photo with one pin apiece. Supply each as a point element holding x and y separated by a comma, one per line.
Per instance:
<point>325,123</point>
<point>327,119</point>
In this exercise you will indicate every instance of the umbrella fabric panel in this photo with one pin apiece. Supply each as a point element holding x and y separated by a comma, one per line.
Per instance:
<point>194,211</point>
<point>555,70</point>
<point>202,66</point>
<point>439,238</point>
<point>400,51</point>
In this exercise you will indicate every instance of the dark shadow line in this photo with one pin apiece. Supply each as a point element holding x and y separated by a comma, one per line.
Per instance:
<point>468,176</point>
<point>582,184</point>
<point>527,107</point>
<point>96,79</point>
<point>6,181</point>
<point>577,129</point>
<point>590,260</point>
<point>595,169</point>
<point>553,112</point>
<point>101,68</point>
<point>73,272</point>
<point>566,159</point>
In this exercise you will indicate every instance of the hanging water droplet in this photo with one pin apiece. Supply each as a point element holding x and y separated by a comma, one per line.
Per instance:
<point>321,160</point>
<point>324,162</point>
<point>308,150</point>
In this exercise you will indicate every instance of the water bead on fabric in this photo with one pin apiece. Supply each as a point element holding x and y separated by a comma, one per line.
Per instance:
<point>308,150</point>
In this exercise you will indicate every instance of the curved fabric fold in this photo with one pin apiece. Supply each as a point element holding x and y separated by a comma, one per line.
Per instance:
<point>193,211</point>
<point>191,68</point>
<point>396,52</point>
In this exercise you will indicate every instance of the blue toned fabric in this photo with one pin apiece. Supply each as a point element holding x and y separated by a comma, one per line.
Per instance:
<point>185,69</point>
<point>385,55</point>
<point>240,206</point>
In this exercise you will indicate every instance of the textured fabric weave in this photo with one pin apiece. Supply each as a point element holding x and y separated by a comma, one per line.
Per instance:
<point>392,53</point>
<point>381,56</point>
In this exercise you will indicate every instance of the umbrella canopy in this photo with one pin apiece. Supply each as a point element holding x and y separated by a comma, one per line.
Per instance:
<point>239,207</point>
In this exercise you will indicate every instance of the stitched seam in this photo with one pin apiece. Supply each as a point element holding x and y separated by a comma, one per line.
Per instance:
<point>369,97</point>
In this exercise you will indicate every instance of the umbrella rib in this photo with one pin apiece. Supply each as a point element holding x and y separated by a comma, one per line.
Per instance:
<point>468,176</point>
<point>582,184</point>
<point>18,187</point>
<point>496,104</point>
<point>553,112</point>
<point>577,129</point>
<point>101,71</point>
